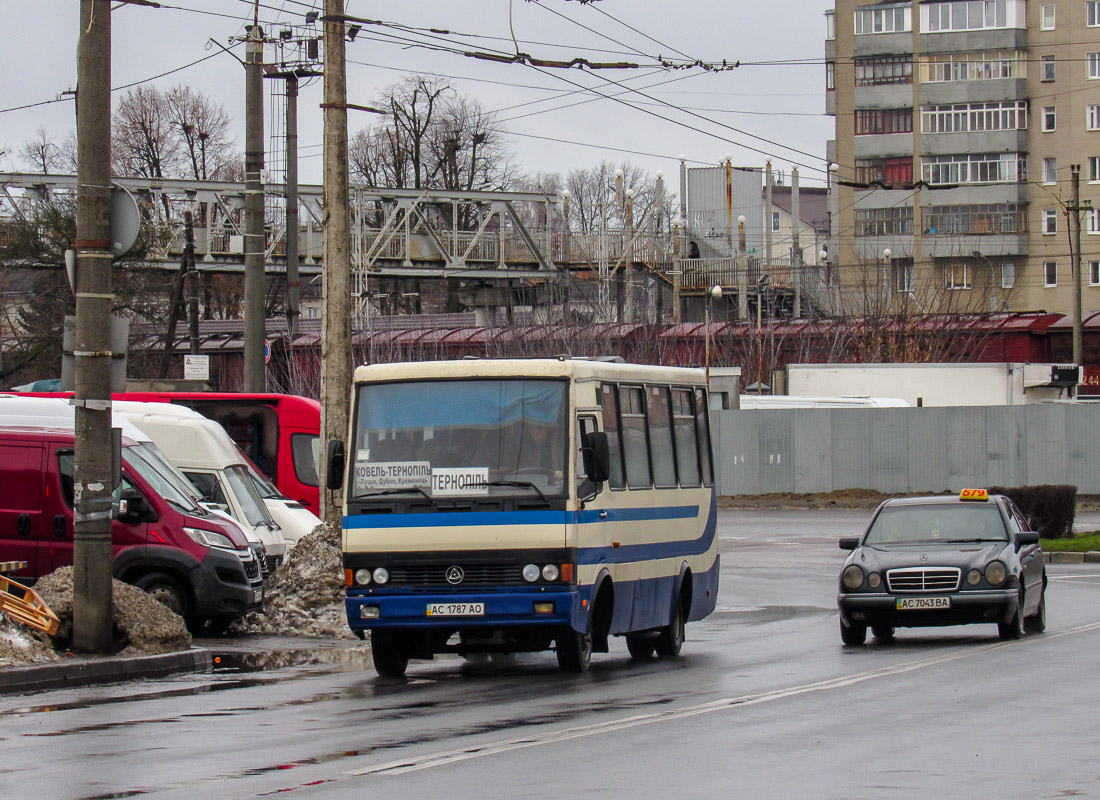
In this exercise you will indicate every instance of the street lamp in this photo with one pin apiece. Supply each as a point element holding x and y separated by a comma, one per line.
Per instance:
<point>713,293</point>
<point>886,274</point>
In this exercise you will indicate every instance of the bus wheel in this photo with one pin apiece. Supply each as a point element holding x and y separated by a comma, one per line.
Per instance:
<point>641,645</point>
<point>575,649</point>
<point>671,638</point>
<point>390,660</point>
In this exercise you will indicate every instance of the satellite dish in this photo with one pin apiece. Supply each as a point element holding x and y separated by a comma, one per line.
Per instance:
<point>125,220</point>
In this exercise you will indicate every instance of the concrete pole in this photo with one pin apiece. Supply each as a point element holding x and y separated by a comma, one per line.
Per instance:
<point>292,283</point>
<point>92,598</point>
<point>796,249</point>
<point>768,184</point>
<point>336,320</point>
<point>628,256</point>
<point>1075,261</point>
<point>192,282</point>
<point>255,242</point>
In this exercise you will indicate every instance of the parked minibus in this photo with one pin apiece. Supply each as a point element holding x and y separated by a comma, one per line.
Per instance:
<point>501,506</point>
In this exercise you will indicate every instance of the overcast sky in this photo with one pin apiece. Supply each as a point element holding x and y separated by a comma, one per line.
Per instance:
<point>768,107</point>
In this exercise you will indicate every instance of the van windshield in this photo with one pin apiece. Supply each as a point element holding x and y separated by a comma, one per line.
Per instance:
<point>166,487</point>
<point>461,438</point>
<point>244,489</point>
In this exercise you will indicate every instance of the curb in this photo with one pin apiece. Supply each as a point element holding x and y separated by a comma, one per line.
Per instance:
<point>84,672</point>
<point>1058,557</point>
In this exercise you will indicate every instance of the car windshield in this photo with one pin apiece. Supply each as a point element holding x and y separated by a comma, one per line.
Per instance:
<point>167,487</point>
<point>461,437</point>
<point>946,522</point>
<point>252,505</point>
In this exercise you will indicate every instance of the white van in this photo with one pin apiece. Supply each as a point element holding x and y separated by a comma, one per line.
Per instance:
<point>204,452</point>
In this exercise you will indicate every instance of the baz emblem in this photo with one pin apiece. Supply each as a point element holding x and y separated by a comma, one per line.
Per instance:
<point>454,575</point>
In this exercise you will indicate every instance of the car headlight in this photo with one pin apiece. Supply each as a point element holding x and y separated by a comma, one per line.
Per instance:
<point>362,576</point>
<point>531,573</point>
<point>209,538</point>
<point>853,577</point>
<point>381,575</point>
<point>974,577</point>
<point>550,572</point>
<point>995,573</point>
<point>874,580</point>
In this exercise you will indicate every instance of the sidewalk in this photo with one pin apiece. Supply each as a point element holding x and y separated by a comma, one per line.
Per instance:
<point>86,670</point>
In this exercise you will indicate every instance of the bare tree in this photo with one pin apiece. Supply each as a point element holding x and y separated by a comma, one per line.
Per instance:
<point>144,143</point>
<point>41,153</point>
<point>203,128</point>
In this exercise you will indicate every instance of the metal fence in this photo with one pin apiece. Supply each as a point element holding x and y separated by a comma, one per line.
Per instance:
<point>897,450</point>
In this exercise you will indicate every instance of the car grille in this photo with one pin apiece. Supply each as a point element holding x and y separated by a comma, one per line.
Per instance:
<point>473,575</point>
<point>923,579</point>
<point>251,566</point>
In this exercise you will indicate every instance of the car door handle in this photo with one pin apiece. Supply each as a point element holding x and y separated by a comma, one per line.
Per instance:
<point>59,526</point>
<point>23,525</point>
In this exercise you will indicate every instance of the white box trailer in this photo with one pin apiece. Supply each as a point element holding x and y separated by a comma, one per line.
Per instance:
<point>934,384</point>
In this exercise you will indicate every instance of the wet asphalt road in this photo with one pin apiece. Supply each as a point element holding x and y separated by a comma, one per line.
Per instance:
<point>763,703</point>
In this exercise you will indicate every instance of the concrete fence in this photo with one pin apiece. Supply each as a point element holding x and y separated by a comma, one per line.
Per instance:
<point>896,450</point>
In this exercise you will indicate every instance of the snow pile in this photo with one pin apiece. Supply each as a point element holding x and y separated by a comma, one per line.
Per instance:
<point>143,626</point>
<point>306,594</point>
<point>22,645</point>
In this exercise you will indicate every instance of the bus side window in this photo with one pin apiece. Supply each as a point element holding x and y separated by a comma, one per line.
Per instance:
<point>702,434</point>
<point>683,428</point>
<point>660,438</point>
<point>610,402</point>
<point>585,425</point>
<point>635,440</point>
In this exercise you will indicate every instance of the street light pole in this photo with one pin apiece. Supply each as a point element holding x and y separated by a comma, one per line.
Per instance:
<point>715,293</point>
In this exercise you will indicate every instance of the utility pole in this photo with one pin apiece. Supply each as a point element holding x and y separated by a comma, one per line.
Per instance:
<point>796,250</point>
<point>192,282</point>
<point>255,242</point>
<point>1075,261</point>
<point>292,293</point>
<point>92,598</point>
<point>336,320</point>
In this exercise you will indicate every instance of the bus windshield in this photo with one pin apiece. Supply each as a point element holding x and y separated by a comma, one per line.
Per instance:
<point>461,438</point>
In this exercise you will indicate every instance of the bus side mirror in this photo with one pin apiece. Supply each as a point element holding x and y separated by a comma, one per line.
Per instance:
<point>334,478</point>
<point>597,458</point>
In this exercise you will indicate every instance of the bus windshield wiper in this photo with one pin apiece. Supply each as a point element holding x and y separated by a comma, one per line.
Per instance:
<point>398,490</point>
<point>524,484</point>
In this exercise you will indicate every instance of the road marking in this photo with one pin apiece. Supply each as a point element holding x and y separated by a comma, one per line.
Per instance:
<point>431,760</point>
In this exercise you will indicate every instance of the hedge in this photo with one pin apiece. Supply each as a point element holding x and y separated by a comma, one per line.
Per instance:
<point>1048,508</point>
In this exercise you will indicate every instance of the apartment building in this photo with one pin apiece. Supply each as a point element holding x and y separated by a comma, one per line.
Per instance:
<point>958,123</point>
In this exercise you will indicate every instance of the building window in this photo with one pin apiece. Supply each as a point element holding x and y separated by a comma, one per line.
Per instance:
<point>960,15</point>
<point>1091,226</point>
<point>830,25</point>
<point>1048,68</point>
<point>830,76</point>
<point>885,170</point>
<point>1094,169</point>
<point>1092,13</point>
<point>903,276</point>
<point>893,221</point>
<point>1094,66</point>
<point>1008,115</point>
<point>1092,118</point>
<point>975,168</point>
<point>1050,119</point>
<point>944,68</point>
<point>775,221</point>
<point>1094,273</point>
<point>974,219</point>
<point>956,276</point>
<point>888,120</point>
<point>1008,275</point>
<point>1050,170</point>
<point>1050,221</point>
<point>892,19</point>
<point>884,70</point>
<point>1046,16</point>
<point>1050,273</point>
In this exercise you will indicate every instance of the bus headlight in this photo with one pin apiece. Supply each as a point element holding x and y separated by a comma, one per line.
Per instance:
<point>362,576</point>
<point>531,573</point>
<point>550,572</point>
<point>381,575</point>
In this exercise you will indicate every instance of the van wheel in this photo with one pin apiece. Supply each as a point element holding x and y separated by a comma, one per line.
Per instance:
<point>671,638</point>
<point>390,658</point>
<point>166,590</point>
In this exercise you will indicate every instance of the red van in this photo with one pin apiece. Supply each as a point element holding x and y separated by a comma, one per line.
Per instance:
<point>278,432</point>
<point>163,541</point>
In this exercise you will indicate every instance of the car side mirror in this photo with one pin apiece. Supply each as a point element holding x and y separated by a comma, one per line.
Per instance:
<point>1026,539</point>
<point>597,457</point>
<point>334,476</point>
<point>849,543</point>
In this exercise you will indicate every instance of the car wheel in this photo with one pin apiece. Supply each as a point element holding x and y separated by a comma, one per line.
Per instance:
<point>166,590</point>
<point>1014,628</point>
<point>1038,622</point>
<point>390,659</point>
<point>641,645</point>
<point>574,649</point>
<point>883,632</point>
<point>671,638</point>
<point>853,634</point>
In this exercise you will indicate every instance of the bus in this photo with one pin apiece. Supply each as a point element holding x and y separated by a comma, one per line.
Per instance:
<point>523,505</point>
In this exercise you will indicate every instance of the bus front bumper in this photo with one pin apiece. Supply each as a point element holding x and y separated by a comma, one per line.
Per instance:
<point>466,610</point>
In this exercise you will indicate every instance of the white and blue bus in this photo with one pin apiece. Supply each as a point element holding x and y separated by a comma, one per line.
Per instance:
<point>503,506</point>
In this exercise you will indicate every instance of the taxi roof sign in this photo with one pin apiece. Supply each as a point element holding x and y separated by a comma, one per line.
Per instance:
<point>974,495</point>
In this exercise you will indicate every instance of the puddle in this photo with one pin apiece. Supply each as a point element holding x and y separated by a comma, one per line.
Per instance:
<point>758,615</point>
<point>346,659</point>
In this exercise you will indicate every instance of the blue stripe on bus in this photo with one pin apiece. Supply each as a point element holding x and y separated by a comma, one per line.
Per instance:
<point>485,518</point>
<point>654,550</point>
